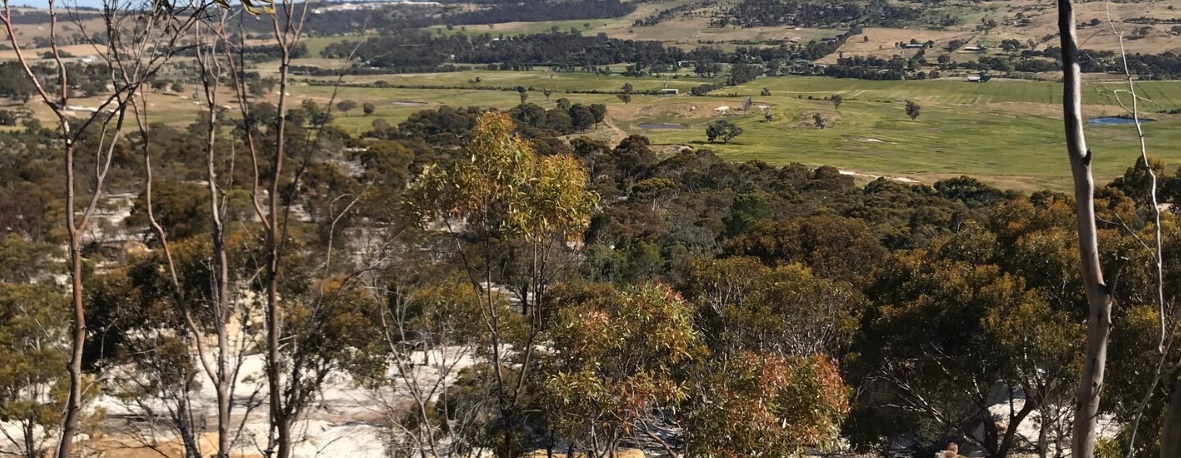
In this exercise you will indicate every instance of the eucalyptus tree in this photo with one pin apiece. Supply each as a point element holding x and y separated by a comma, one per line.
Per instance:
<point>503,190</point>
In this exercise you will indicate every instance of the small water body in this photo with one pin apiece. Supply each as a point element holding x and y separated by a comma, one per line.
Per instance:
<point>1112,120</point>
<point>661,125</point>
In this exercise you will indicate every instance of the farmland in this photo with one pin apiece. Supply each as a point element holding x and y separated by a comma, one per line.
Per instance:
<point>1006,132</point>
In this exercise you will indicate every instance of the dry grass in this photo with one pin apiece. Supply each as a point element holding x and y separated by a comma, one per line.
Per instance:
<point>67,27</point>
<point>696,30</point>
<point>1043,22</point>
<point>883,42</point>
<point>619,454</point>
<point>35,54</point>
<point>118,447</point>
<point>1041,29</point>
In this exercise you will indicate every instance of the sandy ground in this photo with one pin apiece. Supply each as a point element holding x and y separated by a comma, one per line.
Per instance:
<point>345,421</point>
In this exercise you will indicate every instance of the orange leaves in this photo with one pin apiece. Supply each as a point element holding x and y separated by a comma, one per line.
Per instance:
<point>764,402</point>
<point>614,355</point>
<point>649,327</point>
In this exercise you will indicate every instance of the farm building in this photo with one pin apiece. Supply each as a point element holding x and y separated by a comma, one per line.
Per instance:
<point>669,91</point>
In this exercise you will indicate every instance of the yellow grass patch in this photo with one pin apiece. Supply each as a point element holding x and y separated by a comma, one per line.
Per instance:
<point>883,42</point>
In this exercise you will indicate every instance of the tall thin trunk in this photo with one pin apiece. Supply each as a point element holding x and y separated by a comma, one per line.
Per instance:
<point>65,446</point>
<point>224,375</point>
<point>1043,436</point>
<point>1098,296</point>
<point>221,282</point>
<point>280,422</point>
<point>30,443</point>
<point>192,450</point>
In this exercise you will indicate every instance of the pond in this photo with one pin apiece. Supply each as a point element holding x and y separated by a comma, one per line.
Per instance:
<point>661,125</point>
<point>1112,120</point>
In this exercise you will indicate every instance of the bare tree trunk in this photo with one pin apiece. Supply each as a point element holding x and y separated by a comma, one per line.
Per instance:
<point>1098,296</point>
<point>74,401</point>
<point>224,376</point>
<point>1170,440</point>
<point>1043,436</point>
<point>279,422</point>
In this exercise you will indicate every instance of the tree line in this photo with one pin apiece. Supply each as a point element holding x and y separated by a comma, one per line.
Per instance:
<point>413,50</point>
<point>542,11</point>
<point>811,14</point>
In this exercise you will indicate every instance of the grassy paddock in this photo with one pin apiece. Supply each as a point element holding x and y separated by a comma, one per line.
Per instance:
<point>1005,132</point>
<point>1024,151</point>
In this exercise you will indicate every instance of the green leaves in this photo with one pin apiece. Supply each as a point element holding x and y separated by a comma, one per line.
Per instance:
<point>722,130</point>
<point>783,310</point>
<point>504,186</point>
<point>33,350</point>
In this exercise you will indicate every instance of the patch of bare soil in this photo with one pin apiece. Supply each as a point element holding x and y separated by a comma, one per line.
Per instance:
<point>807,119</point>
<point>124,447</point>
<point>618,454</point>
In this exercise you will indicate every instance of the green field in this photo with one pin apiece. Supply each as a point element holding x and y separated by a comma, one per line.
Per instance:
<point>316,45</point>
<point>1162,94</point>
<point>1006,132</point>
<point>1016,150</point>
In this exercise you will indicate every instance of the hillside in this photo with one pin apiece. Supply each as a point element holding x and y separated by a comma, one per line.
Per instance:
<point>590,228</point>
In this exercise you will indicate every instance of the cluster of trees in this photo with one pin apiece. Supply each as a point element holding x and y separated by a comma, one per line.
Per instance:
<point>1017,59</point>
<point>446,126</point>
<point>542,11</point>
<point>1166,65</point>
<point>806,13</point>
<point>85,79</point>
<point>564,119</point>
<point>421,49</point>
<point>417,50</point>
<point>873,68</point>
